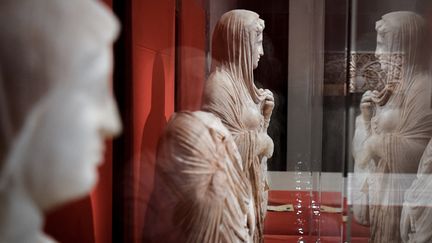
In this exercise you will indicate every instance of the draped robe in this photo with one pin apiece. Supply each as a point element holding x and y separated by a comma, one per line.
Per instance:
<point>230,94</point>
<point>389,147</point>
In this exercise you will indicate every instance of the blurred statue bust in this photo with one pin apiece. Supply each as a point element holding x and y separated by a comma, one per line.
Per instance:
<point>394,127</point>
<point>201,193</point>
<point>56,107</point>
<point>230,94</point>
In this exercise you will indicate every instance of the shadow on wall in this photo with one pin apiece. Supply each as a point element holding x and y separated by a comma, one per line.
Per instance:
<point>156,208</point>
<point>153,128</point>
<point>190,78</point>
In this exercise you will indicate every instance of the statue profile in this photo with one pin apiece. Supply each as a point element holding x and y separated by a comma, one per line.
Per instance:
<point>230,94</point>
<point>56,108</point>
<point>394,126</point>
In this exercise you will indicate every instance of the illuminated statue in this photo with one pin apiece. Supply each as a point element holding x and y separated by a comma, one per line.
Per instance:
<point>230,93</point>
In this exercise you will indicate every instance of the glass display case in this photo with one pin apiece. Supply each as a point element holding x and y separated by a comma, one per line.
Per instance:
<point>350,81</point>
<point>238,121</point>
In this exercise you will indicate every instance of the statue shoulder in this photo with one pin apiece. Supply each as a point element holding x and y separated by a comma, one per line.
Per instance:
<point>218,81</point>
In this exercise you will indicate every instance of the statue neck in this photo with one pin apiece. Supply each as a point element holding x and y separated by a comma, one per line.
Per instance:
<point>21,221</point>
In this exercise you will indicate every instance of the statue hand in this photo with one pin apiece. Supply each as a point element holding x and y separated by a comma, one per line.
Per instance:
<point>268,109</point>
<point>268,104</point>
<point>268,95</point>
<point>367,106</point>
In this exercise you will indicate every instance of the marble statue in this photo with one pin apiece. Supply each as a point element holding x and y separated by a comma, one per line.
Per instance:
<point>230,93</point>
<point>56,107</point>
<point>416,218</point>
<point>201,193</point>
<point>394,126</point>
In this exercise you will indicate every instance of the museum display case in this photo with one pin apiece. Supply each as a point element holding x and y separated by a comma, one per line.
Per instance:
<point>236,121</point>
<point>341,88</point>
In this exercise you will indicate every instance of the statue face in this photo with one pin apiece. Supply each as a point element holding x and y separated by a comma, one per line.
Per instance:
<point>63,138</point>
<point>258,50</point>
<point>389,44</point>
<point>67,144</point>
<point>382,51</point>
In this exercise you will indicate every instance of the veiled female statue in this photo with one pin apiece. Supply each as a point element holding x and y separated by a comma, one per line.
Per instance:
<point>201,193</point>
<point>230,93</point>
<point>394,127</point>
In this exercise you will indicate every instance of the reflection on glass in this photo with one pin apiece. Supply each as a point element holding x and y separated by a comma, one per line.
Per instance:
<point>416,218</point>
<point>394,126</point>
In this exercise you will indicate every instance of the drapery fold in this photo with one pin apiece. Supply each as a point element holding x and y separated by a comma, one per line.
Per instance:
<point>230,94</point>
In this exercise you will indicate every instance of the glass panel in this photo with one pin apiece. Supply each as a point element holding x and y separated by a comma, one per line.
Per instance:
<point>349,125</point>
<point>389,120</point>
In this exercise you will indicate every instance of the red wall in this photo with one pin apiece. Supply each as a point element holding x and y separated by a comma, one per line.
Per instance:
<point>101,200</point>
<point>192,54</point>
<point>153,74</point>
<point>153,64</point>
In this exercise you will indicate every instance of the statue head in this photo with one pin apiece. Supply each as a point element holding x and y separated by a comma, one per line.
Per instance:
<point>237,47</point>
<point>238,35</point>
<point>402,40</point>
<point>56,104</point>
